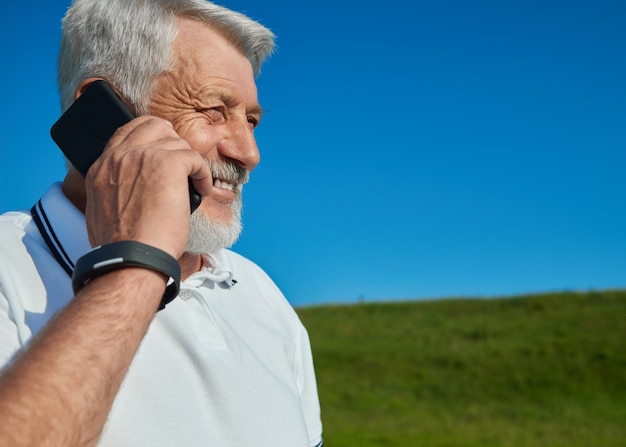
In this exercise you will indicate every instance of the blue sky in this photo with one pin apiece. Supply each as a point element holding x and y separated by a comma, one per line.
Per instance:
<point>410,149</point>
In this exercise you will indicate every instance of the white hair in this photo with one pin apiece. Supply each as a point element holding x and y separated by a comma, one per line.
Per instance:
<point>129,42</point>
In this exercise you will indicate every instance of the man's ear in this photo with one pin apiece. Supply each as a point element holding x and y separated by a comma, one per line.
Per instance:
<point>83,86</point>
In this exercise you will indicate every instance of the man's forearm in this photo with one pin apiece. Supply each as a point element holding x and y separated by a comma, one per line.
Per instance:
<point>60,390</point>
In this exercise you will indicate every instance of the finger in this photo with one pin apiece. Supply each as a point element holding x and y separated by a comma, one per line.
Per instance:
<point>200,175</point>
<point>141,130</point>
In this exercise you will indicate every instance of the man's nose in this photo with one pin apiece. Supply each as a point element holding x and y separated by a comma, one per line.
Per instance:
<point>239,144</point>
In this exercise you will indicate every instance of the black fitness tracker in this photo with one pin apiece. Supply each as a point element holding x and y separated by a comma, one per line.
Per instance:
<point>122,254</point>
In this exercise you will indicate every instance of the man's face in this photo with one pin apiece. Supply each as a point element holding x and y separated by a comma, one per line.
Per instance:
<point>210,97</point>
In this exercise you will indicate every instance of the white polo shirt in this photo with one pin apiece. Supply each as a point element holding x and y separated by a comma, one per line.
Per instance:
<point>227,363</point>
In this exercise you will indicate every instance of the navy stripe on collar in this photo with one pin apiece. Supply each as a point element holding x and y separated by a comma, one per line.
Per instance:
<point>51,239</point>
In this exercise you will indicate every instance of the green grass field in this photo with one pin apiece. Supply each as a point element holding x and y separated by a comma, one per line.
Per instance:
<point>545,370</point>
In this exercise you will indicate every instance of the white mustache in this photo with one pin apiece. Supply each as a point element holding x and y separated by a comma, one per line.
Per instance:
<point>229,172</point>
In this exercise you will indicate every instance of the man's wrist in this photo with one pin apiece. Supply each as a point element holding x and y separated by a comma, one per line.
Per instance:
<point>123,254</point>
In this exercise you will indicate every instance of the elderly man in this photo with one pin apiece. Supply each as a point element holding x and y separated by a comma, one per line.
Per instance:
<point>226,362</point>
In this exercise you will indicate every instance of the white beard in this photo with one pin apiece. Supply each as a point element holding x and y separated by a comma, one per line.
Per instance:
<point>208,236</point>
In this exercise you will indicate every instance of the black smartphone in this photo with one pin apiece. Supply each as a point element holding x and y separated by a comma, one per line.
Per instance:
<point>85,128</point>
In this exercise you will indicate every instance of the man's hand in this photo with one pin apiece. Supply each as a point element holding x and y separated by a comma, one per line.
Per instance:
<point>138,189</point>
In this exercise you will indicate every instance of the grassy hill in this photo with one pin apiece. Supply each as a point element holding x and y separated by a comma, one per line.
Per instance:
<point>545,370</point>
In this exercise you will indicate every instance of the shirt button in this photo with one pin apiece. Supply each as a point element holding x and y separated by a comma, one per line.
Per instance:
<point>185,294</point>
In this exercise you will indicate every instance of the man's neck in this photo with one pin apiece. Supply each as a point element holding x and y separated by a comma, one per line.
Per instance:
<point>189,264</point>
<point>74,189</point>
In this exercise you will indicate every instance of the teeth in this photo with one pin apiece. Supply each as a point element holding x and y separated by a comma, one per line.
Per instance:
<point>222,184</point>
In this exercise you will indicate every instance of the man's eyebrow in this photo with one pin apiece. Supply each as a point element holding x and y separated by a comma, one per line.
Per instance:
<point>257,110</point>
<point>230,101</point>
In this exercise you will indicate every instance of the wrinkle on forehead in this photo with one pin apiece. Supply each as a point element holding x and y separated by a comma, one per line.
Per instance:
<point>206,67</point>
<point>193,35</point>
<point>205,59</point>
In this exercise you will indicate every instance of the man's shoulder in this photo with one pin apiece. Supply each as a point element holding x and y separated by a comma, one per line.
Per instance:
<point>16,219</point>
<point>19,239</point>
<point>238,260</point>
<point>13,227</point>
<point>243,267</point>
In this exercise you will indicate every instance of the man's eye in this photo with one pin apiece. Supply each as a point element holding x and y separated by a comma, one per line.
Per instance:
<point>215,114</point>
<point>253,121</point>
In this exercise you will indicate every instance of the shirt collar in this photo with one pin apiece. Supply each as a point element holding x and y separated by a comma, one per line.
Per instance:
<point>64,224</point>
<point>216,267</point>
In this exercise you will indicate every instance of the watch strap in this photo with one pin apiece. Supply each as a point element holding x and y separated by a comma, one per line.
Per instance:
<point>122,254</point>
